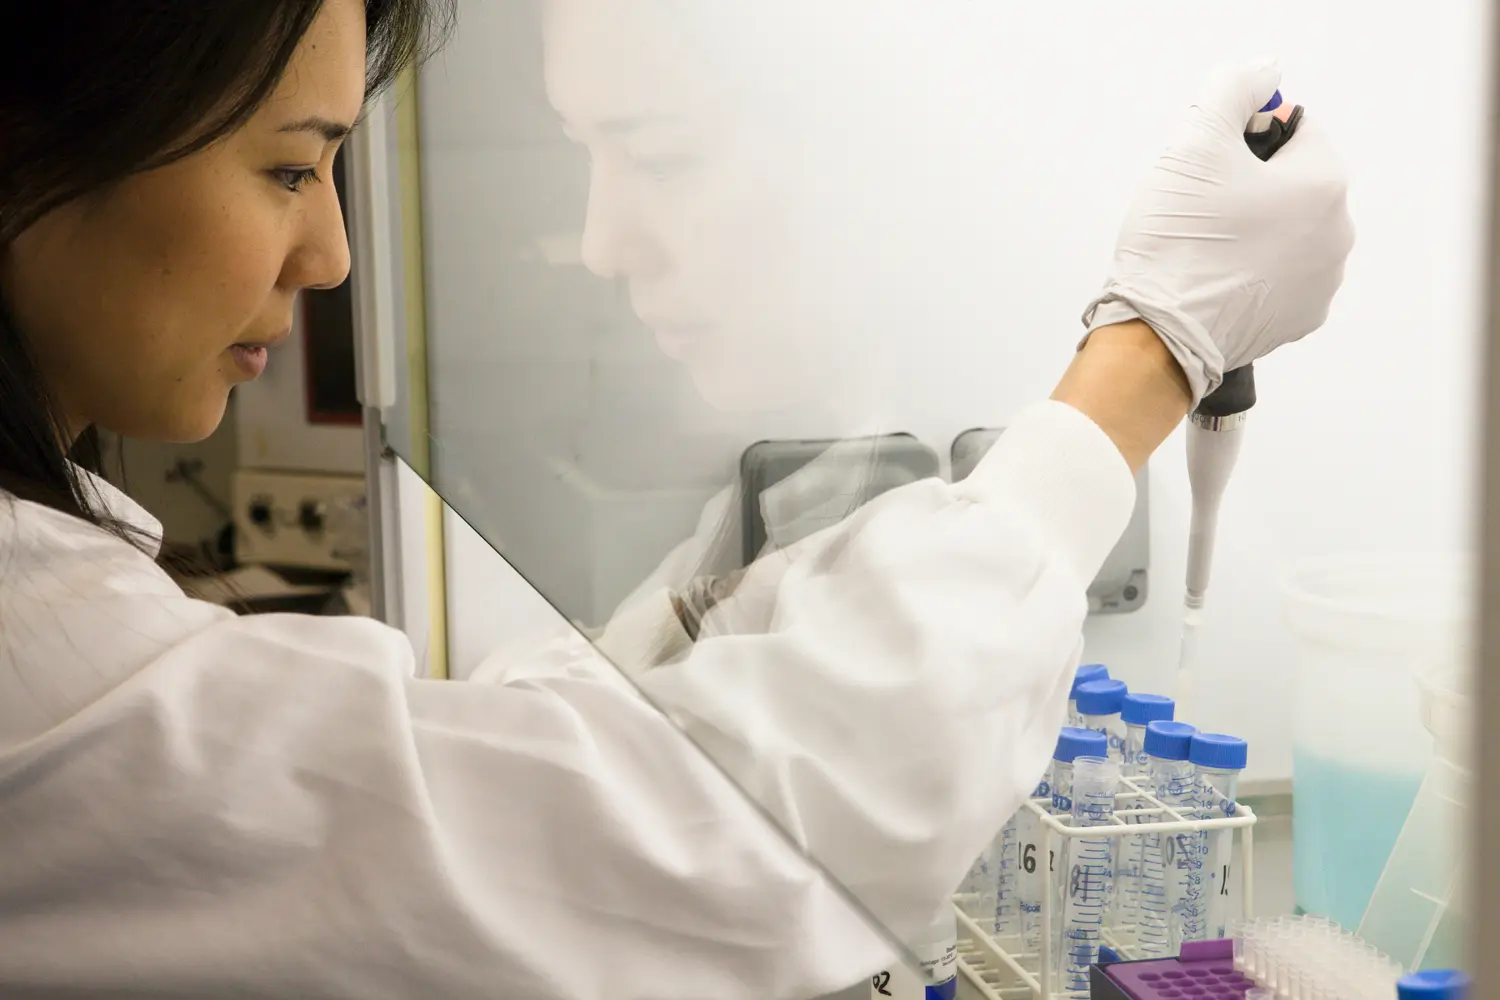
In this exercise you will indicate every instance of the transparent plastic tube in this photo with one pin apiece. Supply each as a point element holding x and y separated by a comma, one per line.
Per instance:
<point>938,953</point>
<point>1113,730</point>
<point>1099,704</point>
<point>1038,860</point>
<point>1007,898</point>
<point>1088,872</point>
<point>996,902</point>
<point>1083,675</point>
<point>1216,790</point>
<point>1062,805</point>
<point>1181,853</point>
<point>976,883</point>
<point>1130,866</point>
<point>1135,750</point>
<point>1030,882</point>
<point>1218,761</point>
<point>1169,779</point>
<point>1137,711</point>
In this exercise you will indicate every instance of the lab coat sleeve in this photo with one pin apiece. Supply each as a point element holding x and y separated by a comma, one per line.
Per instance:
<point>199,805</point>
<point>196,804</point>
<point>891,693</point>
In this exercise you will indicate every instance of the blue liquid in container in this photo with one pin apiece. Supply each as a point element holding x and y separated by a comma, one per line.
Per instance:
<point>1345,821</point>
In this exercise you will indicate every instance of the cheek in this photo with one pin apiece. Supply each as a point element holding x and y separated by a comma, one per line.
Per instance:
<point>132,302</point>
<point>205,249</point>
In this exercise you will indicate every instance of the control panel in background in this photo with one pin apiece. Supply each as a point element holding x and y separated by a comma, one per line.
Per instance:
<point>301,475</point>
<point>299,520</point>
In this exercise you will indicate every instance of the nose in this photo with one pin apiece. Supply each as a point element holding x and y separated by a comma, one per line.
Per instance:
<point>320,259</point>
<point>615,242</point>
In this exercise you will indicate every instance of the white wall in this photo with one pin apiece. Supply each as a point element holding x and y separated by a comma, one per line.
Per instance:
<point>1364,437</point>
<point>185,516</point>
<point>272,426</point>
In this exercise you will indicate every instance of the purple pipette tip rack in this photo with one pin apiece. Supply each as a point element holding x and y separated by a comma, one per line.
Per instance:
<point>1205,971</point>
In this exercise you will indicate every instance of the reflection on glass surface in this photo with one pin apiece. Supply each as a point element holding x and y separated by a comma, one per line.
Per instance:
<point>697,294</point>
<point>713,288</point>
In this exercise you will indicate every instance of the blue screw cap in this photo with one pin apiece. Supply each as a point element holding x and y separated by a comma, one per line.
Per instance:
<point>1273,103</point>
<point>1140,709</point>
<point>1085,674</point>
<point>1169,740</point>
<point>1101,697</point>
<point>1225,753</point>
<point>1074,743</point>
<point>1434,984</point>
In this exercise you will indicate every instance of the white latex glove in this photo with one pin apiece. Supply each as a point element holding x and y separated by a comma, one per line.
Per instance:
<point>1225,256</point>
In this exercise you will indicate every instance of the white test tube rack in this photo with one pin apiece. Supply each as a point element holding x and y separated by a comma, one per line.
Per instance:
<point>1002,969</point>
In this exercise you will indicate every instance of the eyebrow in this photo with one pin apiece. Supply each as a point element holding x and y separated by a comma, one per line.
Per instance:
<point>331,131</point>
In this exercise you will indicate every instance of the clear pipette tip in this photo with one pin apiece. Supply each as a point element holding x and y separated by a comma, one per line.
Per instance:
<point>1187,657</point>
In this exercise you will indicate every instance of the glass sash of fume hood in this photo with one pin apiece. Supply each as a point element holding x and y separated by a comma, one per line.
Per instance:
<point>688,306</point>
<point>686,285</point>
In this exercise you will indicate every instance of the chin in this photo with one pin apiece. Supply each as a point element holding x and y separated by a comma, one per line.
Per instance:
<point>738,391</point>
<point>726,394</point>
<point>188,425</point>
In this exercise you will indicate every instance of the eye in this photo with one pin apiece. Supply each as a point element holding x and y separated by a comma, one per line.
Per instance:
<point>294,179</point>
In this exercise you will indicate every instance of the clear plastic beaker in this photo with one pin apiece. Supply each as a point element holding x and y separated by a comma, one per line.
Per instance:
<point>1363,624</point>
<point>1418,913</point>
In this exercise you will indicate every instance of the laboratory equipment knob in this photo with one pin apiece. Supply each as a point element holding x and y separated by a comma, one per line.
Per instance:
<point>260,513</point>
<point>312,515</point>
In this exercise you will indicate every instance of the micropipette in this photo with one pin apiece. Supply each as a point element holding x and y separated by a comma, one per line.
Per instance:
<point>1215,432</point>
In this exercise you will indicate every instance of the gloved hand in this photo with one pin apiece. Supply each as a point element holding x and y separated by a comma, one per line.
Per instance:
<point>1227,257</point>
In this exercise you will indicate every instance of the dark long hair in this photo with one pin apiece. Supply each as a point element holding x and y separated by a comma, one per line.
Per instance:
<point>94,91</point>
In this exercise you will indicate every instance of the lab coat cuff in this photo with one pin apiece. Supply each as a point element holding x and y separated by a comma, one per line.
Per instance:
<point>1059,470</point>
<point>646,633</point>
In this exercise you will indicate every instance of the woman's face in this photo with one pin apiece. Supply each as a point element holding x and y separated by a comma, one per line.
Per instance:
<point>147,302</point>
<point>704,206</point>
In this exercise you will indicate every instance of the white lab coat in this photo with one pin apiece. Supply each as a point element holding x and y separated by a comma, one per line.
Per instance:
<point>200,805</point>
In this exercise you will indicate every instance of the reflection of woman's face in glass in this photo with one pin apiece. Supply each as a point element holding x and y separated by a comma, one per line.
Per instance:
<point>704,209</point>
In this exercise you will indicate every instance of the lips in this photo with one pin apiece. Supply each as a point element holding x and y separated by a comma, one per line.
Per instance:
<point>252,356</point>
<point>251,359</point>
<point>678,340</point>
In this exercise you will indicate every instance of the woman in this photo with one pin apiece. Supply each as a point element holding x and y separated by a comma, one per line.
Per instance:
<point>202,805</point>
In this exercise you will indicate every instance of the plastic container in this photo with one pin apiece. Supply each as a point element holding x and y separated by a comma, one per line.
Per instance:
<point>1137,711</point>
<point>1099,704</point>
<point>1039,864</point>
<point>1363,625</point>
<point>1166,864</point>
<point>1218,761</point>
<point>1438,984</point>
<point>1087,878</point>
<point>1083,675</point>
<point>1419,911</point>
<point>936,978</point>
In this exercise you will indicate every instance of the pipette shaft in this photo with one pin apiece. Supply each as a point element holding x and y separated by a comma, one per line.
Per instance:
<point>1216,430</point>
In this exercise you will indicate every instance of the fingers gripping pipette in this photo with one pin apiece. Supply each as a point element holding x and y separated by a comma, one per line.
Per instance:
<point>1216,429</point>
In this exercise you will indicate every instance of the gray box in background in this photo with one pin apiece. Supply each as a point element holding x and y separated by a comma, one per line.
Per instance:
<point>867,467</point>
<point>1121,585</point>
